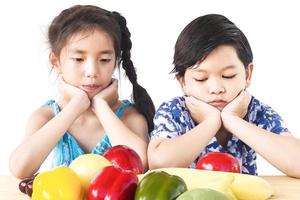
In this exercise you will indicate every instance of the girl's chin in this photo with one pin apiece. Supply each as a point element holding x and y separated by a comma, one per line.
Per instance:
<point>91,95</point>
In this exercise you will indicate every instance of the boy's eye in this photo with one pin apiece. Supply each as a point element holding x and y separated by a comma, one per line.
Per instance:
<point>201,79</point>
<point>229,77</point>
<point>78,59</point>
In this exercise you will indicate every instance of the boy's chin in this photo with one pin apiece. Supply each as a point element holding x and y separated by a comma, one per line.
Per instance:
<point>219,108</point>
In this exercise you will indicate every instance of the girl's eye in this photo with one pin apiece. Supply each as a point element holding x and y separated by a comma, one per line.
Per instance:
<point>105,60</point>
<point>229,77</point>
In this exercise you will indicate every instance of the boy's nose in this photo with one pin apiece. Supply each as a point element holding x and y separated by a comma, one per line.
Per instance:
<point>217,91</point>
<point>216,87</point>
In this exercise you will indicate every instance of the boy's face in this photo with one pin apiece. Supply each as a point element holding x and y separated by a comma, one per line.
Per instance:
<point>87,61</point>
<point>218,79</point>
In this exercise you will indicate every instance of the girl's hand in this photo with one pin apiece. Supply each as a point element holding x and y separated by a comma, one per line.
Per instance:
<point>238,107</point>
<point>201,111</point>
<point>109,95</point>
<point>70,92</point>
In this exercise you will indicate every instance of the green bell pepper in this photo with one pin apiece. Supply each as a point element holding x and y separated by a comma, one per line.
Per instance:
<point>203,194</point>
<point>160,185</point>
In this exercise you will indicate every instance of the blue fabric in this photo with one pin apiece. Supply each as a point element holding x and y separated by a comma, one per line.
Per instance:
<point>67,148</point>
<point>173,119</point>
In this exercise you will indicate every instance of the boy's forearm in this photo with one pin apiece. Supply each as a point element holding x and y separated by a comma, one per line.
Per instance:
<point>183,150</point>
<point>282,151</point>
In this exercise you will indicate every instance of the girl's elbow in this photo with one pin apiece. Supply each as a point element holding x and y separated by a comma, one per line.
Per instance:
<point>17,173</point>
<point>18,169</point>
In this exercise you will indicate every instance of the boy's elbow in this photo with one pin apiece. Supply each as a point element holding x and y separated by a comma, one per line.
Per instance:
<point>156,159</point>
<point>154,162</point>
<point>294,171</point>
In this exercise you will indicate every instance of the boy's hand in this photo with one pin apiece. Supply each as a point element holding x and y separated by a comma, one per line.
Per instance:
<point>237,107</point>
<point>70,92</point>
<point>108,94</point>
<point>201,111</point>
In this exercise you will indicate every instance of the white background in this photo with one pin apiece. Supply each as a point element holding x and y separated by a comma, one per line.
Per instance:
<point>272,29</point>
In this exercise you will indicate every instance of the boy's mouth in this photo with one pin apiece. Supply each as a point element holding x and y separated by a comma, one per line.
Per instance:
<point>218,103</point>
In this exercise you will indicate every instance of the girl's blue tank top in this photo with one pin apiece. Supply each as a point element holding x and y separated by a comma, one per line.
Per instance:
<point>67,148</point>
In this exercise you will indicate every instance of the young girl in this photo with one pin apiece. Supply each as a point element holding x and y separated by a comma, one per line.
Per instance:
<point>213,64</point>
<point>87,44</point>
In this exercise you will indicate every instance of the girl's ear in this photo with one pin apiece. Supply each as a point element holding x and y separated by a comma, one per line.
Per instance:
<point>249,71</point>
<point>54,60</point>
<point>180,80</point>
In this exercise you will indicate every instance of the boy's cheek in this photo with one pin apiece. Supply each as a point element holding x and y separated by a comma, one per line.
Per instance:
<point>186,90</point>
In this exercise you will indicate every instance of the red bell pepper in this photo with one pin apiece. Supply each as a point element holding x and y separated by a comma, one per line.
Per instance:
<point>113,183</point>
<point>125,158</point>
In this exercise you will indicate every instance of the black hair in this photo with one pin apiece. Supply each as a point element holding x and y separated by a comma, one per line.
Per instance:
<point>87,17</point>
<point>202,36</point>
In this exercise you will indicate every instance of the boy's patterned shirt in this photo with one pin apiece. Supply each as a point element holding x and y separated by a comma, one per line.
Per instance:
<point>173,119</point>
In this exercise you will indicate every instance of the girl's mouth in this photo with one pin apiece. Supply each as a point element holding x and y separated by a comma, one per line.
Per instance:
<point>90,87</point>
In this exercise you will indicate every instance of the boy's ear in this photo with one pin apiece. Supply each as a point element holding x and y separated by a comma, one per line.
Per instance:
<point>180,80</point>
<point>54,60</point>
<point>249,71</point>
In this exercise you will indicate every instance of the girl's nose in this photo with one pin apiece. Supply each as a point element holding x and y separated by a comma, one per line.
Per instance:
<point>91,70</point>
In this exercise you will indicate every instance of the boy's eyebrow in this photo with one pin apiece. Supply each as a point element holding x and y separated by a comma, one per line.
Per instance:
<point>196,68</point>
<point>229,67</point>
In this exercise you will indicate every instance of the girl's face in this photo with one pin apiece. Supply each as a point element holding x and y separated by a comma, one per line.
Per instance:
<point>87,61</point>
<point>218,79</point>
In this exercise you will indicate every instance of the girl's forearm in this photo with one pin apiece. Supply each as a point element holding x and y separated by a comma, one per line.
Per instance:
<point>30,154</point>
<point>282,151</point>
<point>183,150</point>
<point>120,134</point>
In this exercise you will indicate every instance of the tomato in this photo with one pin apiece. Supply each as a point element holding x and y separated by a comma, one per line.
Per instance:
<point>218,161</point>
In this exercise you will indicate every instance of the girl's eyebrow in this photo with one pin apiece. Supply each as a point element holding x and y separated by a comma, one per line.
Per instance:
<point>78,51</point>
<point>106,52</point>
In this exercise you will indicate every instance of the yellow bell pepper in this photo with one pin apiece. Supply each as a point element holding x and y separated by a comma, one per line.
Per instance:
<point>60,183</point>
